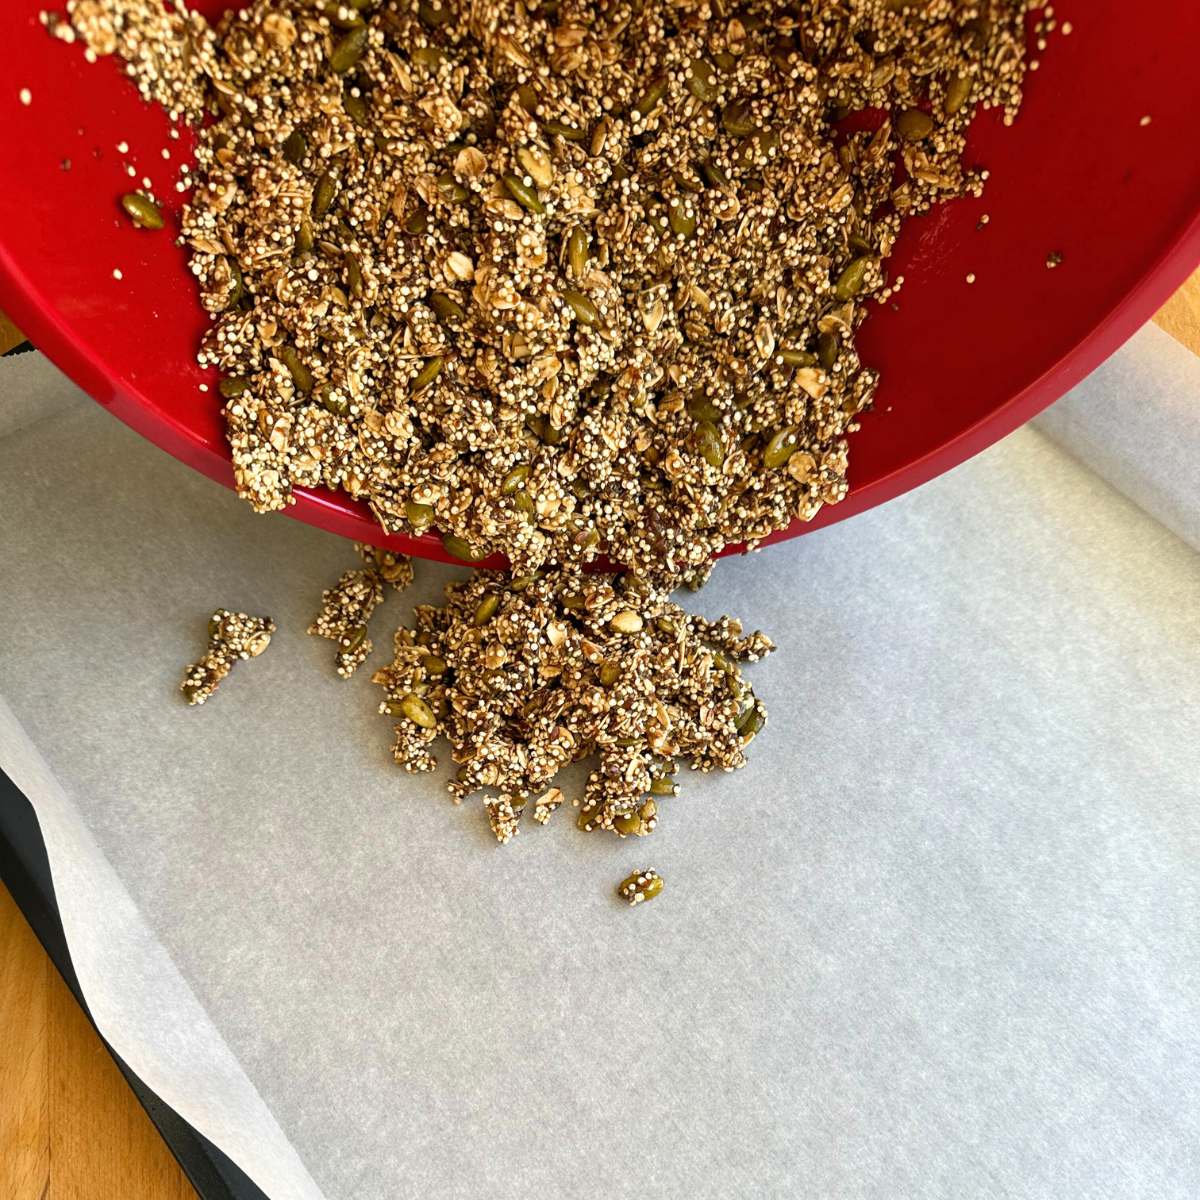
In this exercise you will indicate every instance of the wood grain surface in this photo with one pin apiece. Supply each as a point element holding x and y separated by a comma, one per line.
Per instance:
<point>10,335</point>
<point>1180,316</point>
<point>70,1128</point>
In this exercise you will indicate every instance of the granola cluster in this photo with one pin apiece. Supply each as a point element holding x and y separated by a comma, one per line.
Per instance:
<point>564,276</point>
<point>524,680</point>
<point>231,636</point>
<point>347,606</point>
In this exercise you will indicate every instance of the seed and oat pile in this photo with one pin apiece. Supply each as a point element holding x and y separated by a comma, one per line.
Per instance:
<point>557,279</point>
<point>565,276</point>
<point>231,636</point>
<point>572,665</point>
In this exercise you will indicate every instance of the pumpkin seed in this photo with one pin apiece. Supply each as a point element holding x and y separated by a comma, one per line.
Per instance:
<point>701,80</point>
<point>341,16</point>
<point>715,176</point>
<point>527,98</point>
<point>331,401</point>
<point>585,311</point>
<point>589,817</point>
<point>420,516</point>
<point>434,12</point>
<point>446,307</point>
<point>515,479</point>
<point>978,31</point>
<point>640,886</point>
<point>295,147</point>
<point>434,664</point>
<point>354,638</point>
<point>142,211</point>
<point>429,57</point>
<point>850,281</point>
<point>356,109</point>
<point>234,385</point>
<point>797,358</point>
<point>543,430</point>
<point>324,195</point>
<point>417,711</point>
<point>304,236</point>
<point>450,189</point>
<point>780,448</point>
<point>348,50</point>
<point>648,101</point>
<point>417,221</point>
<point>751,722</point>
<point>577,251</point>
<point>354,276</point>
<point>913,124</point>
<point>737,118</point>
<point>702,408</point>
<point>609,673</point>
<point>522,193</point>
<point>427,374</point>
<point>627,823</point>
<point>662,786</point>
<point>588,538</point>
<point>523,502</point>
<point>708,444</point>
<point>486,609</point>
<point>301,375</point>
<point>827,349</point>
<point>460,548</point>
<point>681,217</point>
<point>571,132</point>
<point>237,283</point>
<point>957,91</point>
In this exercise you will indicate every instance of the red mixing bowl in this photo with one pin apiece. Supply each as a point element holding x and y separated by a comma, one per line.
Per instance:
<point>1102,167</point>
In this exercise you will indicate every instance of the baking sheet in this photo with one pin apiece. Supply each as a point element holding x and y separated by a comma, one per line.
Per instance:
<point>937,940</point>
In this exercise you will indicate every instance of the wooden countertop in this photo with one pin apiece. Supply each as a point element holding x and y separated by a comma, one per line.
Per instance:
<point>70,1128</point>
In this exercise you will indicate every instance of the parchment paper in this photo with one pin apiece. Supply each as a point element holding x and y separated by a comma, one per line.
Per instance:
<point>938,940</point>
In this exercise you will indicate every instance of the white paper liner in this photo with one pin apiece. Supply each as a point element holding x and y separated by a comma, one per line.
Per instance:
<point>937,940</point>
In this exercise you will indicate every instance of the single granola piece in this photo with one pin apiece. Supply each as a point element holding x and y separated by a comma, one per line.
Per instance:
<point>546,803</point>
<point>640,886</point>
<point>504,814</point>
<point>345,609</point>
<point>347,606</point>
<point>525,676</point>
<point>394,569</point>
<point>231,636</point>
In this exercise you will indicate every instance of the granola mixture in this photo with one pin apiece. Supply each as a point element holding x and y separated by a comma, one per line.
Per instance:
<point>523,680</point>
<point>564,276</point>
<point>231,636</point>
<point>347,606</point>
